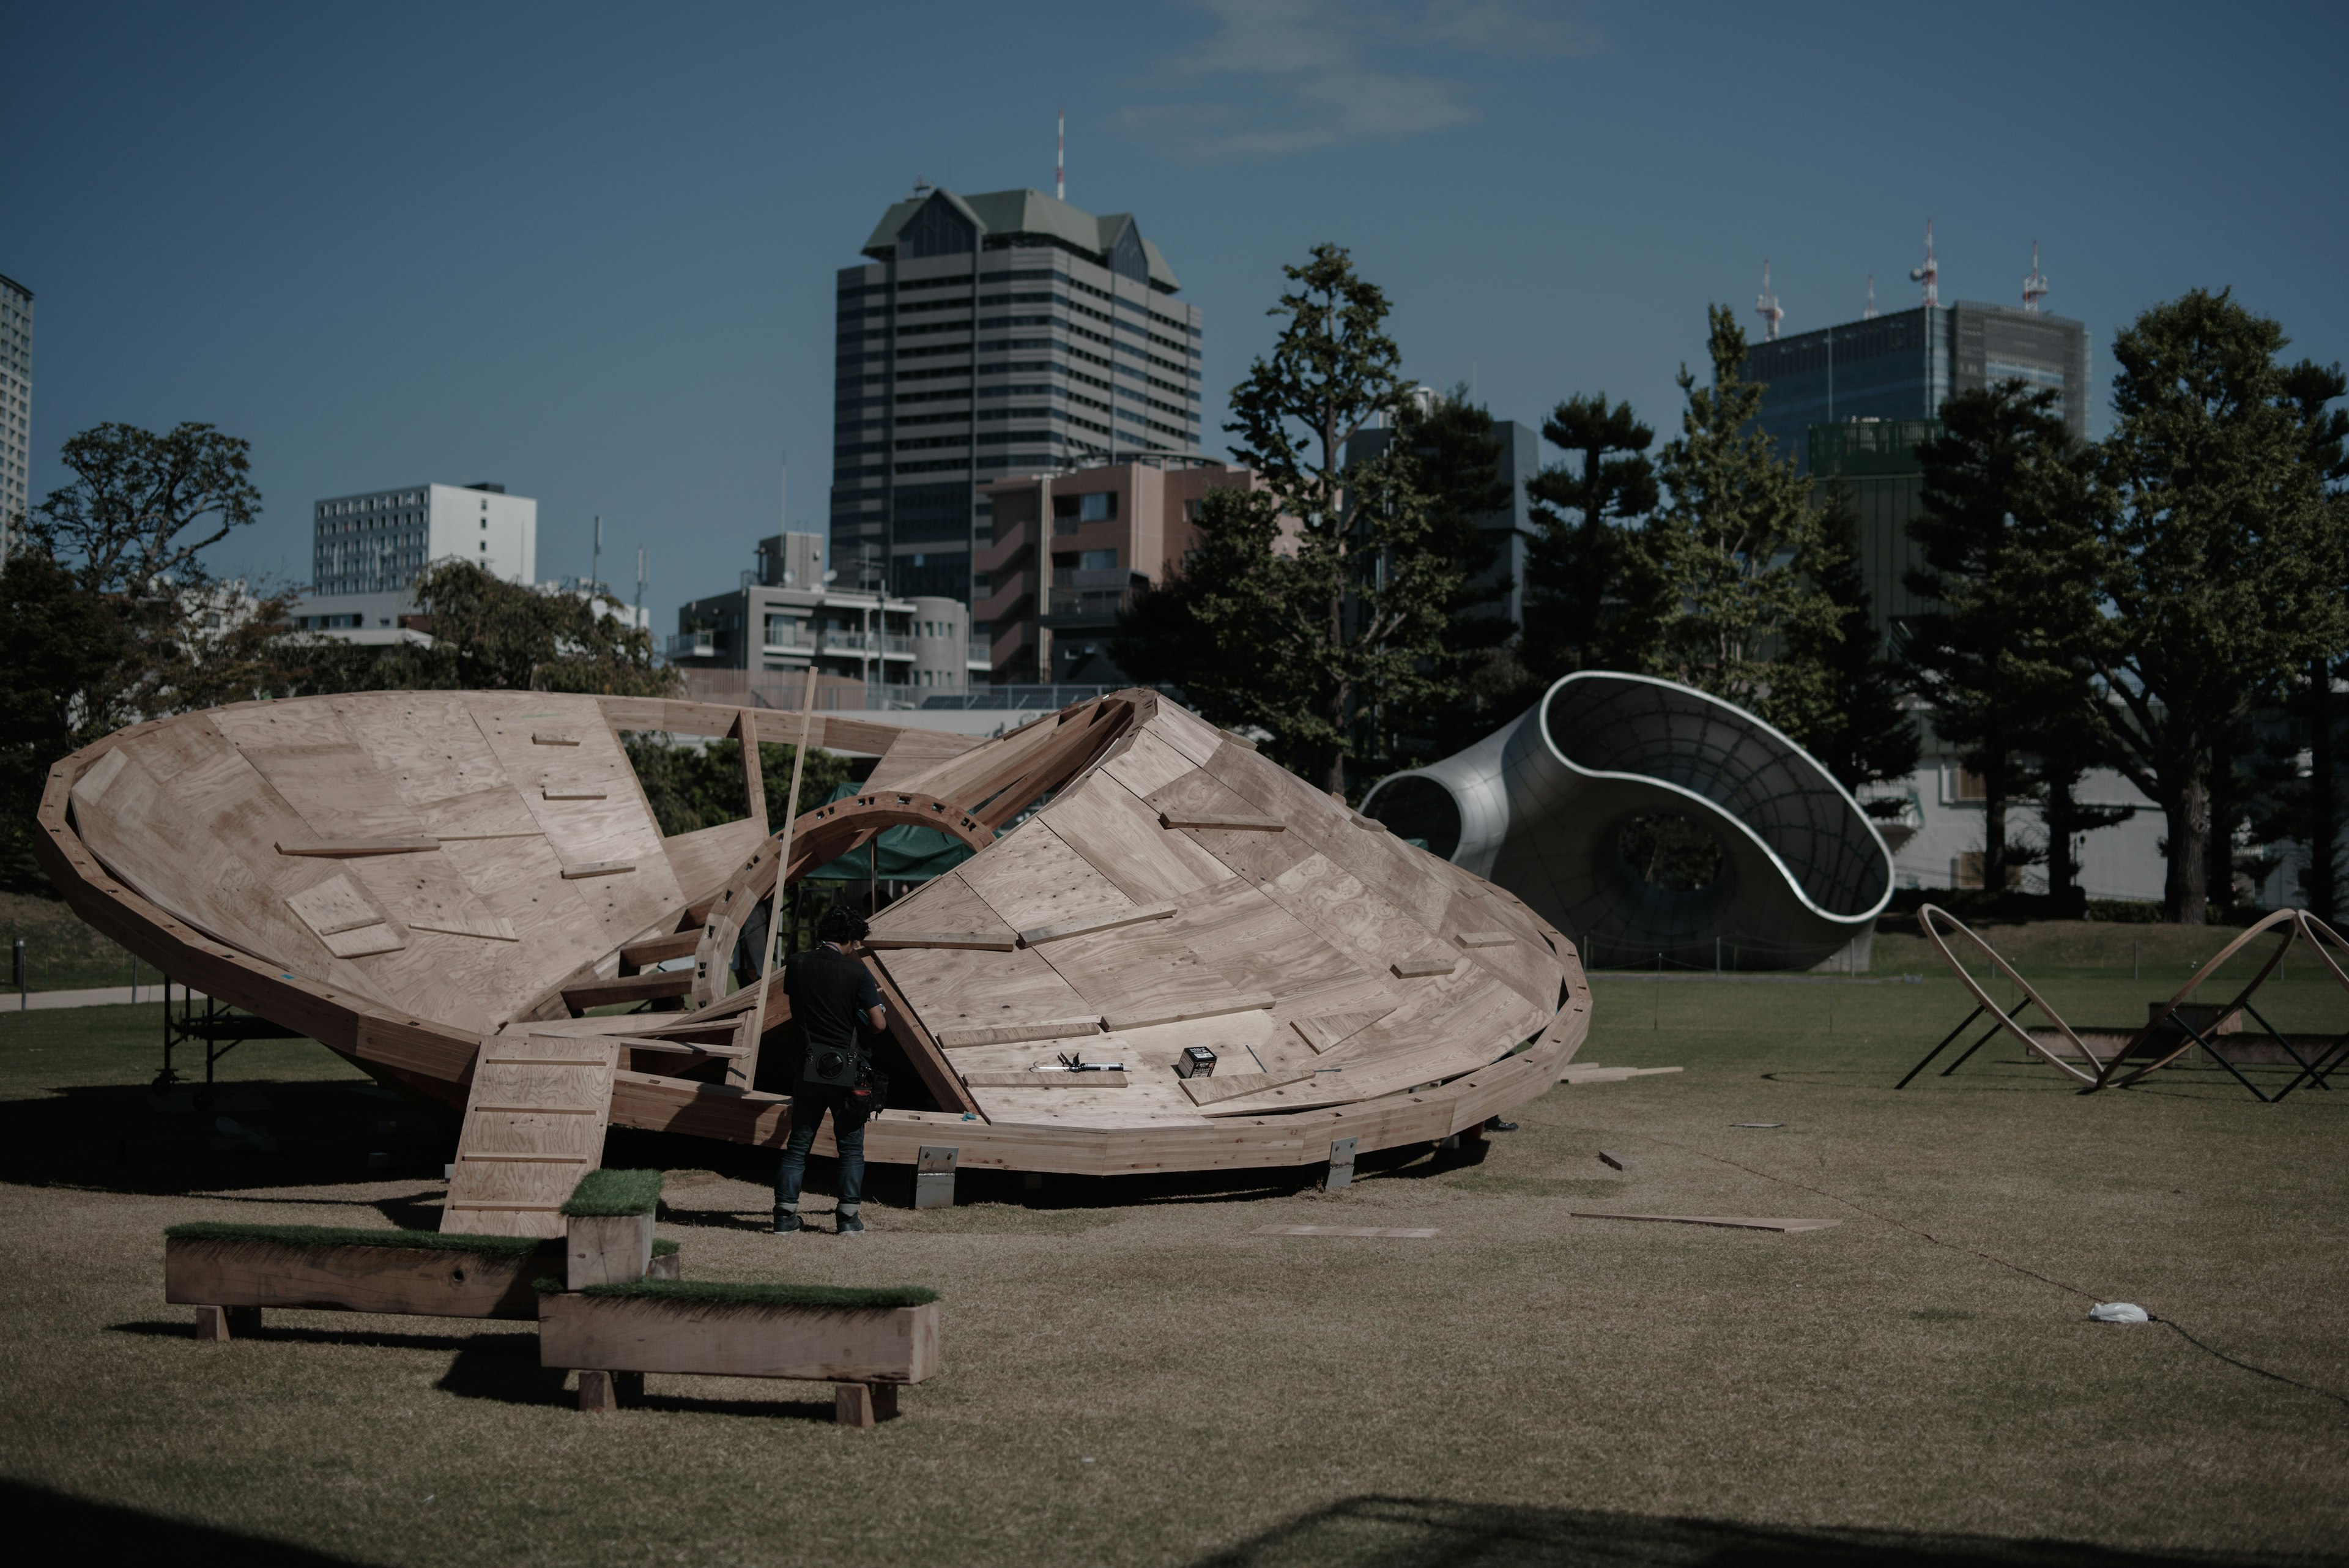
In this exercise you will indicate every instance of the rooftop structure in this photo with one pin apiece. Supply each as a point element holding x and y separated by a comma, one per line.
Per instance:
<point>376,542</point>
<point>15,407</point>
<point>992,335</point>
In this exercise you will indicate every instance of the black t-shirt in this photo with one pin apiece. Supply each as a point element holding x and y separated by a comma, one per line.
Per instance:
<point>830,991</point>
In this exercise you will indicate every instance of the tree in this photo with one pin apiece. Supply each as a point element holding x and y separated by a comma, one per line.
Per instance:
<point>1839,695</point>
<point>132,529</point>
<point>64,648</point>
<point>1457,464</point>
<point>1594,599</point>
<point>1728,546</point>
<point>2010,553</point>
<point>1321,602</point>
<point>2224,556</point>
<point>487,634</point>
<point>691,787</point>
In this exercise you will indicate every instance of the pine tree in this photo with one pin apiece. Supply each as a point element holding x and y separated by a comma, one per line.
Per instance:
<point>1322,602</point>
<point>1729,545</point>
<point>1594,598</point>
<point>1836,691</point>
<point>2225,557</point>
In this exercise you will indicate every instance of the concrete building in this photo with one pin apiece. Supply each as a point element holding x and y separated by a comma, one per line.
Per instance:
<point>790,612</point>
<point>15,408</point>
<point>1000,334</point>
<point>1905,364</point>
<point>1050,592</point>
<point>376,542</point>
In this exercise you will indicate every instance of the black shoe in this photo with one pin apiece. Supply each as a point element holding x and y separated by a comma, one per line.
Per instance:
<point>1497,1125</point>
<point>787,1220</point>
<point>850,1225</point>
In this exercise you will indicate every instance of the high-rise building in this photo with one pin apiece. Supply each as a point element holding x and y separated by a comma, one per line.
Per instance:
<point>15,407</point>
<point>1008,333</point>
<point>376,543</point>
<point>1905,364</point>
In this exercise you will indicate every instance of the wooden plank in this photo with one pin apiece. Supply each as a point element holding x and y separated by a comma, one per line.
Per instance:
<point>952,989</point>
<point>660,949</point>
<point>914,753</point>
<point>639,1333</point>
<point>1235,823</point>
<point>1046,1080</point>
<point>944,903</point>
<point>1181,1009</point>
<point>335,906</point>
<point>431,894</point>
<point>702,860</point>
<point>1421,967</point>
<point>352,848</point>
<point>585,868</point>
<point>1206,1091</point>
<point>975,941</point>
<point>553,738</point>
<point>1730,1222</point>
<point>1326,1032</point>
<point>572,792</point>
<point>1485,938</point>
<point>1396,1233</point>
<point>341,794</point>
<point>1594,1074</point>
<point>1032,1029</point>
<point>534,1124</point>
<point>1339,909</point>
<point>365,942</point>
<point>1087,924</point>
<point>586,994</point>
<point>1244,936</point>
<point>1147,762</point>
<point>429,745</point>
<point>350,1278</point>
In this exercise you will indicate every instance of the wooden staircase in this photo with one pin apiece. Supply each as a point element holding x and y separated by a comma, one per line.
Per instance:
<point>533,1126</point>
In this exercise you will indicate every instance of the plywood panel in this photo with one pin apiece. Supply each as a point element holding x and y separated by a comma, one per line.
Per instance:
<point>702,860</point>
<point>1349,915</point>
<point>1121,837</point>
<point>944,903</point>
<point>533,1124</point>
<point>1256,945</point>
<point>439,762</point>
<point>1148,764</point>
<point>1187,733</point>
<point>952,989</point>
<point>913,753</point>
<point>335,906</point>
<point>1135,973</point>
<point>1033,879</point>
<point>336,789</point>
<point>429,892</point>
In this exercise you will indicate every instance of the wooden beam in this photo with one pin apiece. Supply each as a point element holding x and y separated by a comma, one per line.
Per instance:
<point>596,869</point>
<point>352,848</point>
<point>1209,819</point>
<point>660,949</point>
<point>586,994</point>
<point>978,942</point>
<point>1135,916</point>
<point>1012,1034</point>
<point>1111,1079</point>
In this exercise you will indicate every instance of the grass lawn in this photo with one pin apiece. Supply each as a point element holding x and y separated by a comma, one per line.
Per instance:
<point>1133,1377</point>
<point>60,953</point>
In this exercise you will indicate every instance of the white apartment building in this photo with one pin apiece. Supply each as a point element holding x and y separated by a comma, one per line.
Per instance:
<point>378,542</point>
<point>15,407</point>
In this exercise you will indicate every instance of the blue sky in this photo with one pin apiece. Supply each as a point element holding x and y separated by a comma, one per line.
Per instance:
<point>588,250</point>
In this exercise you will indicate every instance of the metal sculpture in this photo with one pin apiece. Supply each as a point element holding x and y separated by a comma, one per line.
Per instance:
<point>1539,805</point>
<point>2169,1031</point>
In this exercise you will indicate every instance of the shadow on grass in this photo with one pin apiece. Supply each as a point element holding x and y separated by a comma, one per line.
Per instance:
<point>519,1343</point>
<point>102,1533</point>
<point>112,1138</point>
<point>1419,1533</point>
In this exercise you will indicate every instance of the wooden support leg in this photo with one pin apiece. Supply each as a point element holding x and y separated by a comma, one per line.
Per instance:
<point>599,1392</point>
<point>853,1404</point>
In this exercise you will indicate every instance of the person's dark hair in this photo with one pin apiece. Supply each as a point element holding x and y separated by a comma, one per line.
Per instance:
<point>841,924</point>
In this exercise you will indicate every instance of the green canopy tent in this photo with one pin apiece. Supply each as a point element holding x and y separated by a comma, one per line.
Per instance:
<point>897,854</point>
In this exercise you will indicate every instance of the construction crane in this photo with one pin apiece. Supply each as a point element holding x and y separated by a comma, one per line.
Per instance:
<point>2035,287</point>
<point>1930,275</point>
<point>1766,306</point>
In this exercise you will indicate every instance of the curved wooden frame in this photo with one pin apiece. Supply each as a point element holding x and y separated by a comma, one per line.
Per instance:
<point>437,1059</point>
<point>2116,1071</point>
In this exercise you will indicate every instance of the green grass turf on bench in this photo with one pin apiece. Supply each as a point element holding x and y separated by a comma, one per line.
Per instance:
<point>717,1292</point>
<point>606,1194</point>
<point>352,1236</point>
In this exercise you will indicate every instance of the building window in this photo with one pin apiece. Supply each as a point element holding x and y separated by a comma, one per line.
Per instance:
<point>1968,786</point>
<point>1098,561</point>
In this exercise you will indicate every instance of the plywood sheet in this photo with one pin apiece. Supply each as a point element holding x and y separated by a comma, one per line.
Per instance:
<point>1033,879</point>
<point>337,790</point>
<point>429,892</point>
<point>702,860</point>
<point>335,906</point>
<point>953,989</point>
<point>913,753</point>
<point>1344,912</point>
<point>534,1124</point>
<point>1121,837</point>
<point>1148,764</point>
<point>1187,733</point>
<point>438,761</point>
<point>1134,972</point>
<point>1256,945</point>
<point>945,903</point>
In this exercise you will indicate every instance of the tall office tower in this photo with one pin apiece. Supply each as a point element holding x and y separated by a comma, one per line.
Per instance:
<point>1902,366</point>
<point>15,407</point>
<point>994,335</point>
<point>376,543</point>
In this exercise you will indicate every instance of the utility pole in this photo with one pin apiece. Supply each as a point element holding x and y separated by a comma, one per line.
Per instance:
<point>641,574</point>
<point>595,560</point>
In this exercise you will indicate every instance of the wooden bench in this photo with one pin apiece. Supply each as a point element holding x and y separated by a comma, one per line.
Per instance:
<point>229,1272</point>
<point>868,1342</point>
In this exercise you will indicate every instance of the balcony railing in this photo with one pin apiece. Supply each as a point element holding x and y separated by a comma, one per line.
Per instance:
<point>693,644</point>
<point>1090,603</point>
<point>982,651</point>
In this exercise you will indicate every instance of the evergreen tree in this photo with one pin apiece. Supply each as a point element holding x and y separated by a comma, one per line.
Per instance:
<point>2224,551</point>
<point>1323,600</point>
<point>1594,598</point>
<point>2011,552</point>
<point>1730,544</point>
<point>1458,461</point>
<point>1837,693</point>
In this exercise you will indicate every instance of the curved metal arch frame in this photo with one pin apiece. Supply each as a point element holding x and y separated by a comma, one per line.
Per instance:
<point>818,838</point>
<point>2115,1071</point>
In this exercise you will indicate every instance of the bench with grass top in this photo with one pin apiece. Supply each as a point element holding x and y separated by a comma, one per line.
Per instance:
<point>868,1343</point>
<point>229,1272</point>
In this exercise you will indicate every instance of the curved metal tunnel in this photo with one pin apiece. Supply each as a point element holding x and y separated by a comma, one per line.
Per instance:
<point>1539,807</point>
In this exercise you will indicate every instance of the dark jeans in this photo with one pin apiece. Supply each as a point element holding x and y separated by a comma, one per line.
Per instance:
<point>808,1106</point>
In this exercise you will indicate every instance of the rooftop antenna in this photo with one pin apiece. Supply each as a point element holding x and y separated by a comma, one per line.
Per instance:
<point>1766,306</point>
<point>2035,287</point>
<point>1869,314</point>
<point>642,575</point>
<point>1930,275</point>
<point>1060,157</point>
<point>595,560</point>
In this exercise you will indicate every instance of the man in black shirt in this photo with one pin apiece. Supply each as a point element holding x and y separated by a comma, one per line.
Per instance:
<point>831,994</point>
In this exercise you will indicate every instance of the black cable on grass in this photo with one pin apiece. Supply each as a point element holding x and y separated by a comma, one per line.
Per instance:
<point>1994,1258</point>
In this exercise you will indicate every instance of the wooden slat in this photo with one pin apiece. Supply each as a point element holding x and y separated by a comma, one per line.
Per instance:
<point>584,868</point>
<point>335,906</point>
<point>1111,1079</point>
<point>1107,920</point>
<point>976,941</point>
<point>1326,1032</point>
<point>1422,965</point>
<point>553,738</point>
<point>624,988</point>
<point>660,949</point>
<point>1729,1222</point>
<point>534,1123</point>
<point>919,1046</point>
<point>1206,1091</point>
<point>1178,1011</point>
<point>1485,938</point>
<point>1107,824</point>
<point>1032,1029</point>
<point>352,848</point>
<point>1236,824</point>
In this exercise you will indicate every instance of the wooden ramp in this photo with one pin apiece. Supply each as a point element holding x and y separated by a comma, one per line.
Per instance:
<point>533,1126</point>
